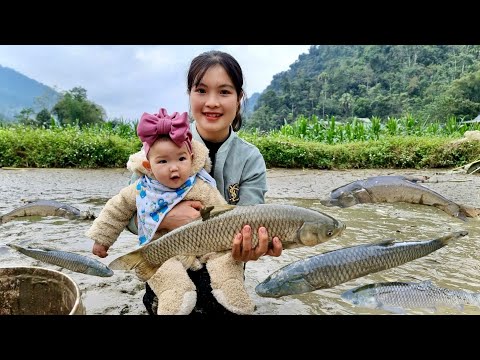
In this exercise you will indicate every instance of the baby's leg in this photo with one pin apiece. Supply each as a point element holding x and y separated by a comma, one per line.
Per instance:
<point>226,277</point>
<point>175,291</point>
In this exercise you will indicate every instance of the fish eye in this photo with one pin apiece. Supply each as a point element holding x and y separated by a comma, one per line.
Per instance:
<point>329,233</point>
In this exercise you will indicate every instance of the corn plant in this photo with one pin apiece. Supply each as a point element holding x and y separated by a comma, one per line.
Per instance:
<point>330,137</point>
<point>375,128</point>
<point>392,126</point>
<point>409,124</point>
<point>359,133</point>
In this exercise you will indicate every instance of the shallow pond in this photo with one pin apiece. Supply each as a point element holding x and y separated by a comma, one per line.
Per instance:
<point>456,266</point>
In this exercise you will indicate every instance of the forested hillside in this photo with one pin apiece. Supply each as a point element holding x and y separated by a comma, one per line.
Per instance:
<point>430,82</point>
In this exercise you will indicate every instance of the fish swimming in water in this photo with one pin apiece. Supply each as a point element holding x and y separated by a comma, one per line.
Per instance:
<point>67,260</point>
<point>338,266</point>
<point>397,296</point>
<point>295,226</point>
<point>47,208</point>
<point>391,189</point>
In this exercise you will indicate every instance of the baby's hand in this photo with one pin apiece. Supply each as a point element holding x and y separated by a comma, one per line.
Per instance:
<point>100,250</point>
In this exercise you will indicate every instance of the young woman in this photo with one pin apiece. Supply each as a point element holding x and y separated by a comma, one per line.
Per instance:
<point>215,89</point>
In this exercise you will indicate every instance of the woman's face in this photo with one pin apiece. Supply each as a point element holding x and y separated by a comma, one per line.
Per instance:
<point>214,103</point>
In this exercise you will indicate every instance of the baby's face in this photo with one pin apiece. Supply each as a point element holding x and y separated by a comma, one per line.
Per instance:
<point>171,165</point>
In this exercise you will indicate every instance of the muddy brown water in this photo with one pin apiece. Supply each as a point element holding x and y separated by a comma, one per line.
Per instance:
<point>456,266</point>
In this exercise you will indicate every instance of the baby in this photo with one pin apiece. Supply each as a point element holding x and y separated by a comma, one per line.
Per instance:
<point>174,168</point>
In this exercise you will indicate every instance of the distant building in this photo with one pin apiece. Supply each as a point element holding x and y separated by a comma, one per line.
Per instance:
<point>476,120</point>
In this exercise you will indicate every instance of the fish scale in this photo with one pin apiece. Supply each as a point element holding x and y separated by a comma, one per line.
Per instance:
<point>391,189</point>
<point>67,260</point>
<point>294,225</point>
<point>217,234</point>
<point>395,296</point>
<point>47,208</point>
<point>336,267</point>
<point>367,260</point>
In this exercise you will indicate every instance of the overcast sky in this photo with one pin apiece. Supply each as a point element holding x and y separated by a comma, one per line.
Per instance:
<point>128,80</point>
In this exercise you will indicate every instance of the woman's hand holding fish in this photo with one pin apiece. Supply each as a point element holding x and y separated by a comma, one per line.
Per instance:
<point>100,250</point>
<point>242,245</point>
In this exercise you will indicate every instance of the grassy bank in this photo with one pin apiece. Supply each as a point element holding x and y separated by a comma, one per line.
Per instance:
<point>72,147</point>
<point>67,147</point>
<point>390,152</point>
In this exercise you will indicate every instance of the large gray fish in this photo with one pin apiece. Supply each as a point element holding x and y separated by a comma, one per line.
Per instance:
<point>336,267</point>
<point>67,260</point>
<point>397,296</point>
<point>47,208</point>
<point>391,189</point>
<point>295,226</point>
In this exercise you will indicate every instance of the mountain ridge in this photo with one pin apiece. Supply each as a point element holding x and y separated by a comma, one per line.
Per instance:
<point>18,91</point>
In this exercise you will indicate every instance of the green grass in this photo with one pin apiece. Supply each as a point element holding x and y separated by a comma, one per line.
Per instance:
<point>376,146</point>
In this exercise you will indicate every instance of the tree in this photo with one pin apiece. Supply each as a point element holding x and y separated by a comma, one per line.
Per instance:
<point>44,118</point>
<point>24,117</point>
<point>323,77</point>
<point>380,80</point>
<point>346,100</point>
<point>79,93</point>
<point>461,99</point>
<point>262,119</point>
<point>74,107</point>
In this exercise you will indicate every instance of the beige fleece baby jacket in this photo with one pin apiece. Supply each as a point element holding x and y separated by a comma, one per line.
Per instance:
<point>175,291</point>
<point>118,211</point>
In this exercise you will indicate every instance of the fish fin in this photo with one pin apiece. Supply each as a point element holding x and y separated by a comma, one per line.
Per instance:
<point>459,307</point>
<point>415,179</point>
<point>212,211</point>
<point>128,261</point>
<point>20,248</point>
<point>426,283</point>
<point>385,242</point>
<point>462,216</point>
<point>394,309</point>
<point>42,248</point>
<point>327,202</point>
<point>363,196</point>
<point>433,261</point>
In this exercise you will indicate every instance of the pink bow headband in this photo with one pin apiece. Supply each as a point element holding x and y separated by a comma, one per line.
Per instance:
<point>175,126</point>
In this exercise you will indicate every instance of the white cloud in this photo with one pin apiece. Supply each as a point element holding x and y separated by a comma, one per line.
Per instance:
<point>128,80</point>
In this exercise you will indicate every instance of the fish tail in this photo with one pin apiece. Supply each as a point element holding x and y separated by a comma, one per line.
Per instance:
<point>469,211</point>
<point>444,240</point>
<point>128,261</point>
<point>6,218</point>
<point>454,210</point>
<point>87,215</point>
<point>145,271</point>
